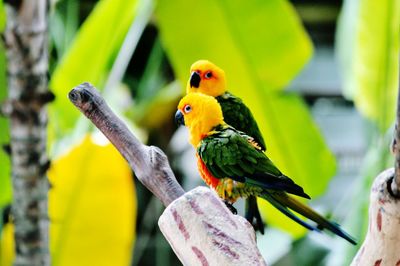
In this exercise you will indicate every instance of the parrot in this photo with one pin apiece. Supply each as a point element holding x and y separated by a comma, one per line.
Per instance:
<point>207,78</point>
<point>235,166</point>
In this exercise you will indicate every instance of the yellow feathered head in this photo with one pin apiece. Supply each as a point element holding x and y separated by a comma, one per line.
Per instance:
<point>207,78</point>
<point>200,113</point>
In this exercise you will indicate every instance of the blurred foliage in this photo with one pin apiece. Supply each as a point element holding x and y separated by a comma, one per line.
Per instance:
<point>376,160</point>
<point>7,245</point>
<point>92,207</point>
<point>155,95</point>
<point>257,65</point>
<point>90,56</point>
<point>219,31</point>
<point>5,181</point>
<point>2,17</point>
<point>64,22</point>
<point>369,51</point>
<point>150,112</point>
<point>304,246</point>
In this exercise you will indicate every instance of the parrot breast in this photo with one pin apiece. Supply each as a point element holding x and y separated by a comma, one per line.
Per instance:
<point>205,174</point>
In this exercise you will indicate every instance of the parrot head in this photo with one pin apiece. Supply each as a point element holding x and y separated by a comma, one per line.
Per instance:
<point>200,113</point>
<point>207,78</point>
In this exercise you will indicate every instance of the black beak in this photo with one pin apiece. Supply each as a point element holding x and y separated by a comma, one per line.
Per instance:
<point>195,80</point>
<point>179,119</point>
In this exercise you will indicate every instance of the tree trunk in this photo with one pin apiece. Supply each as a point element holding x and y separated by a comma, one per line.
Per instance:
<point>27,65</point>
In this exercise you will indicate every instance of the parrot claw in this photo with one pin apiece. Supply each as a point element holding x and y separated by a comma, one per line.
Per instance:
<point>230,207</point>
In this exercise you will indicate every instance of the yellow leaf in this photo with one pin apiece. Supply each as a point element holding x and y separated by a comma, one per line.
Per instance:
<point>7,245</point>
<point>92,207</point>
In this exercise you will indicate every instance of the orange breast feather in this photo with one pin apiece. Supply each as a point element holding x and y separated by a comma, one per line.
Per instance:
<point>205,174</point>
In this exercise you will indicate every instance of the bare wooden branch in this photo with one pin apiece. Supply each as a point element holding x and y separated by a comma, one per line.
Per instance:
<point>25,40</point>
<point>382,243</point>
<point>202,231</point>
<point>149,163</point>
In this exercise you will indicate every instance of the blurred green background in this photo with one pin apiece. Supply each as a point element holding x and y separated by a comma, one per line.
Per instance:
<point>321,78</point>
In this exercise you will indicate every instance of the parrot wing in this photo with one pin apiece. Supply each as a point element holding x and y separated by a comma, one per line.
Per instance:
<point>227,152</point>
<point>239,116</point>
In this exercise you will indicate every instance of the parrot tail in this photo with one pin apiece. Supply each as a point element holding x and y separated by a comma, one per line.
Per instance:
<point>252,214</point>
<point>285,203</point>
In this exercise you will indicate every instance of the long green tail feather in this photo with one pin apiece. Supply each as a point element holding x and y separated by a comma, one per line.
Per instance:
<point>297,206</point>
<point>281,207</point>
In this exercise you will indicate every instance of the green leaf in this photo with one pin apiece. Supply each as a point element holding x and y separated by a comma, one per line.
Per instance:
<point>219,30</point>
<point>152,78</point>
<point>261,45</point>
<point>64,25</point>
<point>91,56</point>
<point>369,53</point>
<point>5,174</point>
<point>2,17</point>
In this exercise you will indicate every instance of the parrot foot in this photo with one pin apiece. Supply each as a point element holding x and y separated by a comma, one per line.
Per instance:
<point>230,207</point>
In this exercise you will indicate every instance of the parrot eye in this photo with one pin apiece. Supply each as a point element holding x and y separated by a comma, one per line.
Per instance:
<point>187,108</point>
<point>208,75</point>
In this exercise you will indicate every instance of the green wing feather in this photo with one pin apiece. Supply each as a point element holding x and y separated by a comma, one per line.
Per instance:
<point>228,153</point>
<point>239,116</point>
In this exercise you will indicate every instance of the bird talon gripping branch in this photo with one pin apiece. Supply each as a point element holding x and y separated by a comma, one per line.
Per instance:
<point>230,207</point>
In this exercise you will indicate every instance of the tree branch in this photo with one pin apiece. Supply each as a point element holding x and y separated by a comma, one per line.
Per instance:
<point>149,163</point>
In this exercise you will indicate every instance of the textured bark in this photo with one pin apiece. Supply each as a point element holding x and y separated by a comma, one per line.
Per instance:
<point>382,243</point>
<point>202,231</point>
<point>27,65</point>
<point>149,163</point>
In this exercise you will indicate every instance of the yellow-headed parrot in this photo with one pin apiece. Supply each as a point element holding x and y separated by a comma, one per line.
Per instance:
<point>235,166</point>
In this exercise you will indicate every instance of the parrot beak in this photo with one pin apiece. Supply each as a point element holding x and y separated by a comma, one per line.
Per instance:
<point>179,119</point>
<point>195,80</point>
